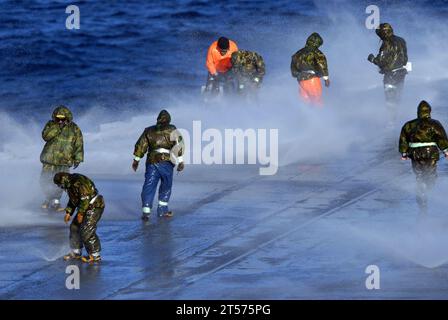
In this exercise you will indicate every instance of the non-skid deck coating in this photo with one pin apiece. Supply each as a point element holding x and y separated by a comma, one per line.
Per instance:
<point>308,232</point>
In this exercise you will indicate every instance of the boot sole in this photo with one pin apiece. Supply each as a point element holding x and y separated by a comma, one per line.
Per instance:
<point>91,261</point>
<point>71,258</point>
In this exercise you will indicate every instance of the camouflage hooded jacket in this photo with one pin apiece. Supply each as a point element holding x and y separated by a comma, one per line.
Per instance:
<point>161,136</point>
<point>393,53</point>
<point>81,190</point>
<point>64,142</point>
<point>423,129</point>
<point>248,64</point>
<point>309,62</point>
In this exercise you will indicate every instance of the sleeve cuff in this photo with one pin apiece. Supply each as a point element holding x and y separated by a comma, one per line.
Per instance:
<point>137,158</point>
<point>325,78</point>
<point>180,159</point>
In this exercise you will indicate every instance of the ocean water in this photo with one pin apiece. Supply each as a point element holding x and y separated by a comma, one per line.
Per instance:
<point>140,54</point>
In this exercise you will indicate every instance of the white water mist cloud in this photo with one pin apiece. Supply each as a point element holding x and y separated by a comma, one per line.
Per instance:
<point>353,115</point>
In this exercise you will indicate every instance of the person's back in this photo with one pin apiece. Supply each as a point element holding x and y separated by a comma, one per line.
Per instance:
<point>308,65</point>
<point>155,138</point>
<point>164,146</point>
<point>420,140</point>
<point>423,132</point>
<point>248,64</point>
<point>81,187</point>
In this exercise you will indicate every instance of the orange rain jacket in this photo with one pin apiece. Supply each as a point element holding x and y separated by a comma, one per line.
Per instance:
<point>218,63</point>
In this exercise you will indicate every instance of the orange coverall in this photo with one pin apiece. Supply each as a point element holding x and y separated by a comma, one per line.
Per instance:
<point>311,91</point>
<point>217,62</point>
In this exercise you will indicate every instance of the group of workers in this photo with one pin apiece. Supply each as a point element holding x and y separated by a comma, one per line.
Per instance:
<point>226,64</point>
<point>64,149</point>
<point>420,139</point>
<point>233,70</point>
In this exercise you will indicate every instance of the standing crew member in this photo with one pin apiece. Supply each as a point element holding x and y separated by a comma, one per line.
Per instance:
<point>219,63</point>
<point>84,197</point>
<point>308,65</point>
<point>420,140</point>
<point>64,148</point>
<point>391,60</point>
<point>161,142</point>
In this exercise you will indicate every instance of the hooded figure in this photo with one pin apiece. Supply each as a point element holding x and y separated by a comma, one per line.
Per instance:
<point>89,204</point>
<point>391,61</point>
<point>163,145</point>
<point>308,65</point>
<point>64,148</point>
<point>420,140</point>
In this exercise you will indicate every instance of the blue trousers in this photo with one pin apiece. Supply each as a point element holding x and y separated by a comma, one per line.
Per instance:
<point>163,172</point>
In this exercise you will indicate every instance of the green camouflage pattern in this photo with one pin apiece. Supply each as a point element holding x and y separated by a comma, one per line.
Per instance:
<point>248,64</point>
<point>309,59</point>
<point>81,190</point>
<point>51,191</point>
<point>158,136</point>
<point>64,142</point>
<point>424,159</point>
<point>84,234</point>
<point>423,129</point>
<point>393,52</point>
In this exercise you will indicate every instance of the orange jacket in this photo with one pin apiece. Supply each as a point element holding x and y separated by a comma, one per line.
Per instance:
<point>218,63</point>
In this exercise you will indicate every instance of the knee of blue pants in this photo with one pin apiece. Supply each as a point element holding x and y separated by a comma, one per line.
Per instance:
<point>149,187</point>
<point>166,177</point>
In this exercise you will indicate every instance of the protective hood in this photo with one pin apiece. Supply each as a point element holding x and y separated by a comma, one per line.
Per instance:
<point>424,110</point>
<point>62,111</point>
<point>62,179</point>
<point>314,40</point>
<point>164,118</point>
<point>384,31</point>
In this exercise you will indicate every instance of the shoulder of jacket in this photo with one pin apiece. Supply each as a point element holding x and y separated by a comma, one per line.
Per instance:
<point>410,123</point>
<point>74,179</point>
<point>298,52</point>
<point>75,126</point>
<point>436,122</point>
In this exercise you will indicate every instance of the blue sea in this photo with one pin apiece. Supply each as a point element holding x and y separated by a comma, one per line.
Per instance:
<point>140,54</point>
